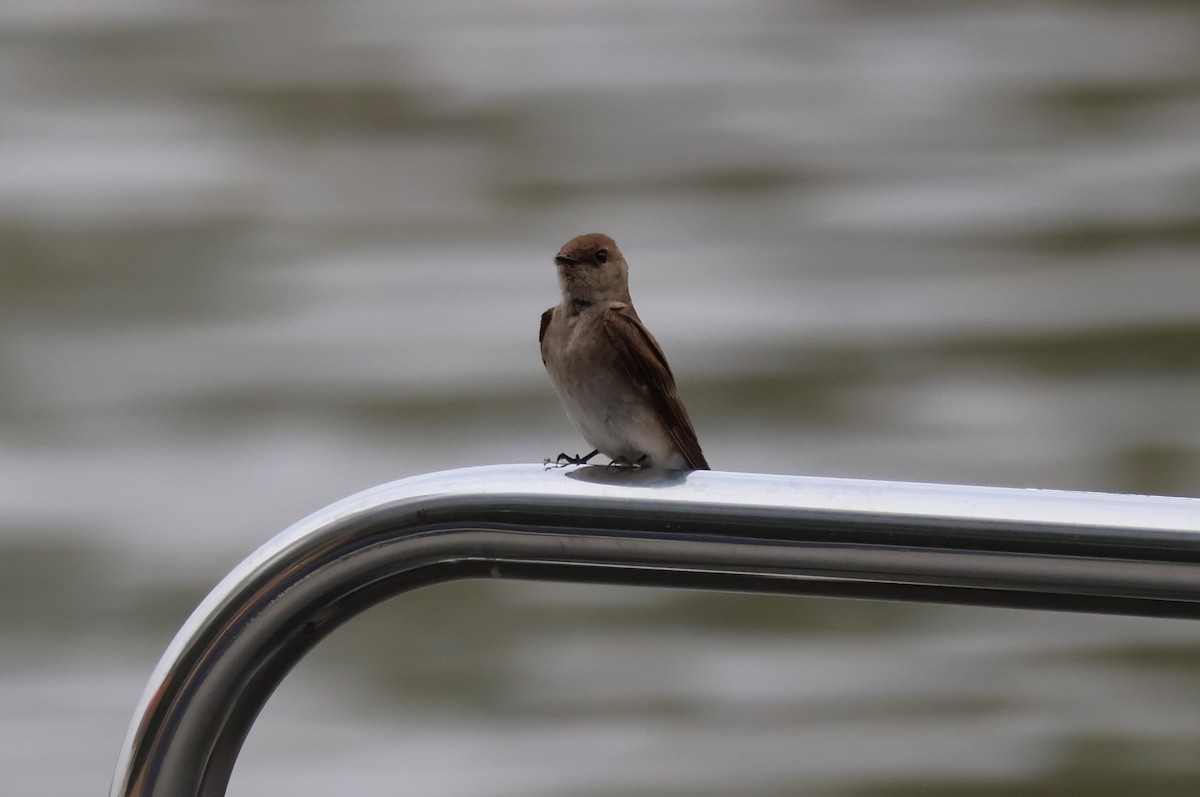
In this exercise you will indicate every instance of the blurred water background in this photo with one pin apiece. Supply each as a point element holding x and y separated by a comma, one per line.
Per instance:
<point>258,254</point>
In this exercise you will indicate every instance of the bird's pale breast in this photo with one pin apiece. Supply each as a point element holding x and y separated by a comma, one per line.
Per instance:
<point>610,411</point>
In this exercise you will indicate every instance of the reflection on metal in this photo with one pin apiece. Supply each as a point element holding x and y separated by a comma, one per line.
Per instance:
<point>706,530</point>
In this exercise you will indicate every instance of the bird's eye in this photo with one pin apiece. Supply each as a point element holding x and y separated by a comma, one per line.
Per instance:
<point>601,256</point>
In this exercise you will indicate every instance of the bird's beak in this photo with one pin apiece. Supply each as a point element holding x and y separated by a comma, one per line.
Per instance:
<point>563,260</point>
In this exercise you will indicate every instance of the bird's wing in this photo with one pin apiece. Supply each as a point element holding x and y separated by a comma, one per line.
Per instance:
<point>542,332</point>
<point>644,361</point>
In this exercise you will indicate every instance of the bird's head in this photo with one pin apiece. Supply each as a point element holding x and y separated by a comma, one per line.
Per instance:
<point>592,269</point>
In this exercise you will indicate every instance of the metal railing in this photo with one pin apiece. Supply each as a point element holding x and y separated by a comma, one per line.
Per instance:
<point>705,530</point>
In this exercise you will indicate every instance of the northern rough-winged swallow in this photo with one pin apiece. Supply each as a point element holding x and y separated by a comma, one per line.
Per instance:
<point>608,369</point>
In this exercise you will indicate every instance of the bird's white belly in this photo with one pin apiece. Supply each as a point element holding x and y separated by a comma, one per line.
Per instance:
<point>615,418</point>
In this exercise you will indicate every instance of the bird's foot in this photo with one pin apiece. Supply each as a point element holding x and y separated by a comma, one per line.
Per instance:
<point>622,462</point>
<point>564,459</point>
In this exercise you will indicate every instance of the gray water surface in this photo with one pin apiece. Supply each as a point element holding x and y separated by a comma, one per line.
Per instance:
<point>256,256</point>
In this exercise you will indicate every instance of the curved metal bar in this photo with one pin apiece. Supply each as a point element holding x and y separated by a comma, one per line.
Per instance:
<point>702,529</point>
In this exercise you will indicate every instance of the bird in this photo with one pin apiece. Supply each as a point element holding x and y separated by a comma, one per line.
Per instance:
<point>608,370</point>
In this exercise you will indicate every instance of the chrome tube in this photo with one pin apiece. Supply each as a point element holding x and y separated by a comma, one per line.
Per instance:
<point>706,530</point>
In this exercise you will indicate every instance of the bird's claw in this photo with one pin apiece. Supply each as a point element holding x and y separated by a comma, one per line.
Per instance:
<point>564,459</point>
<point>622,462</point>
